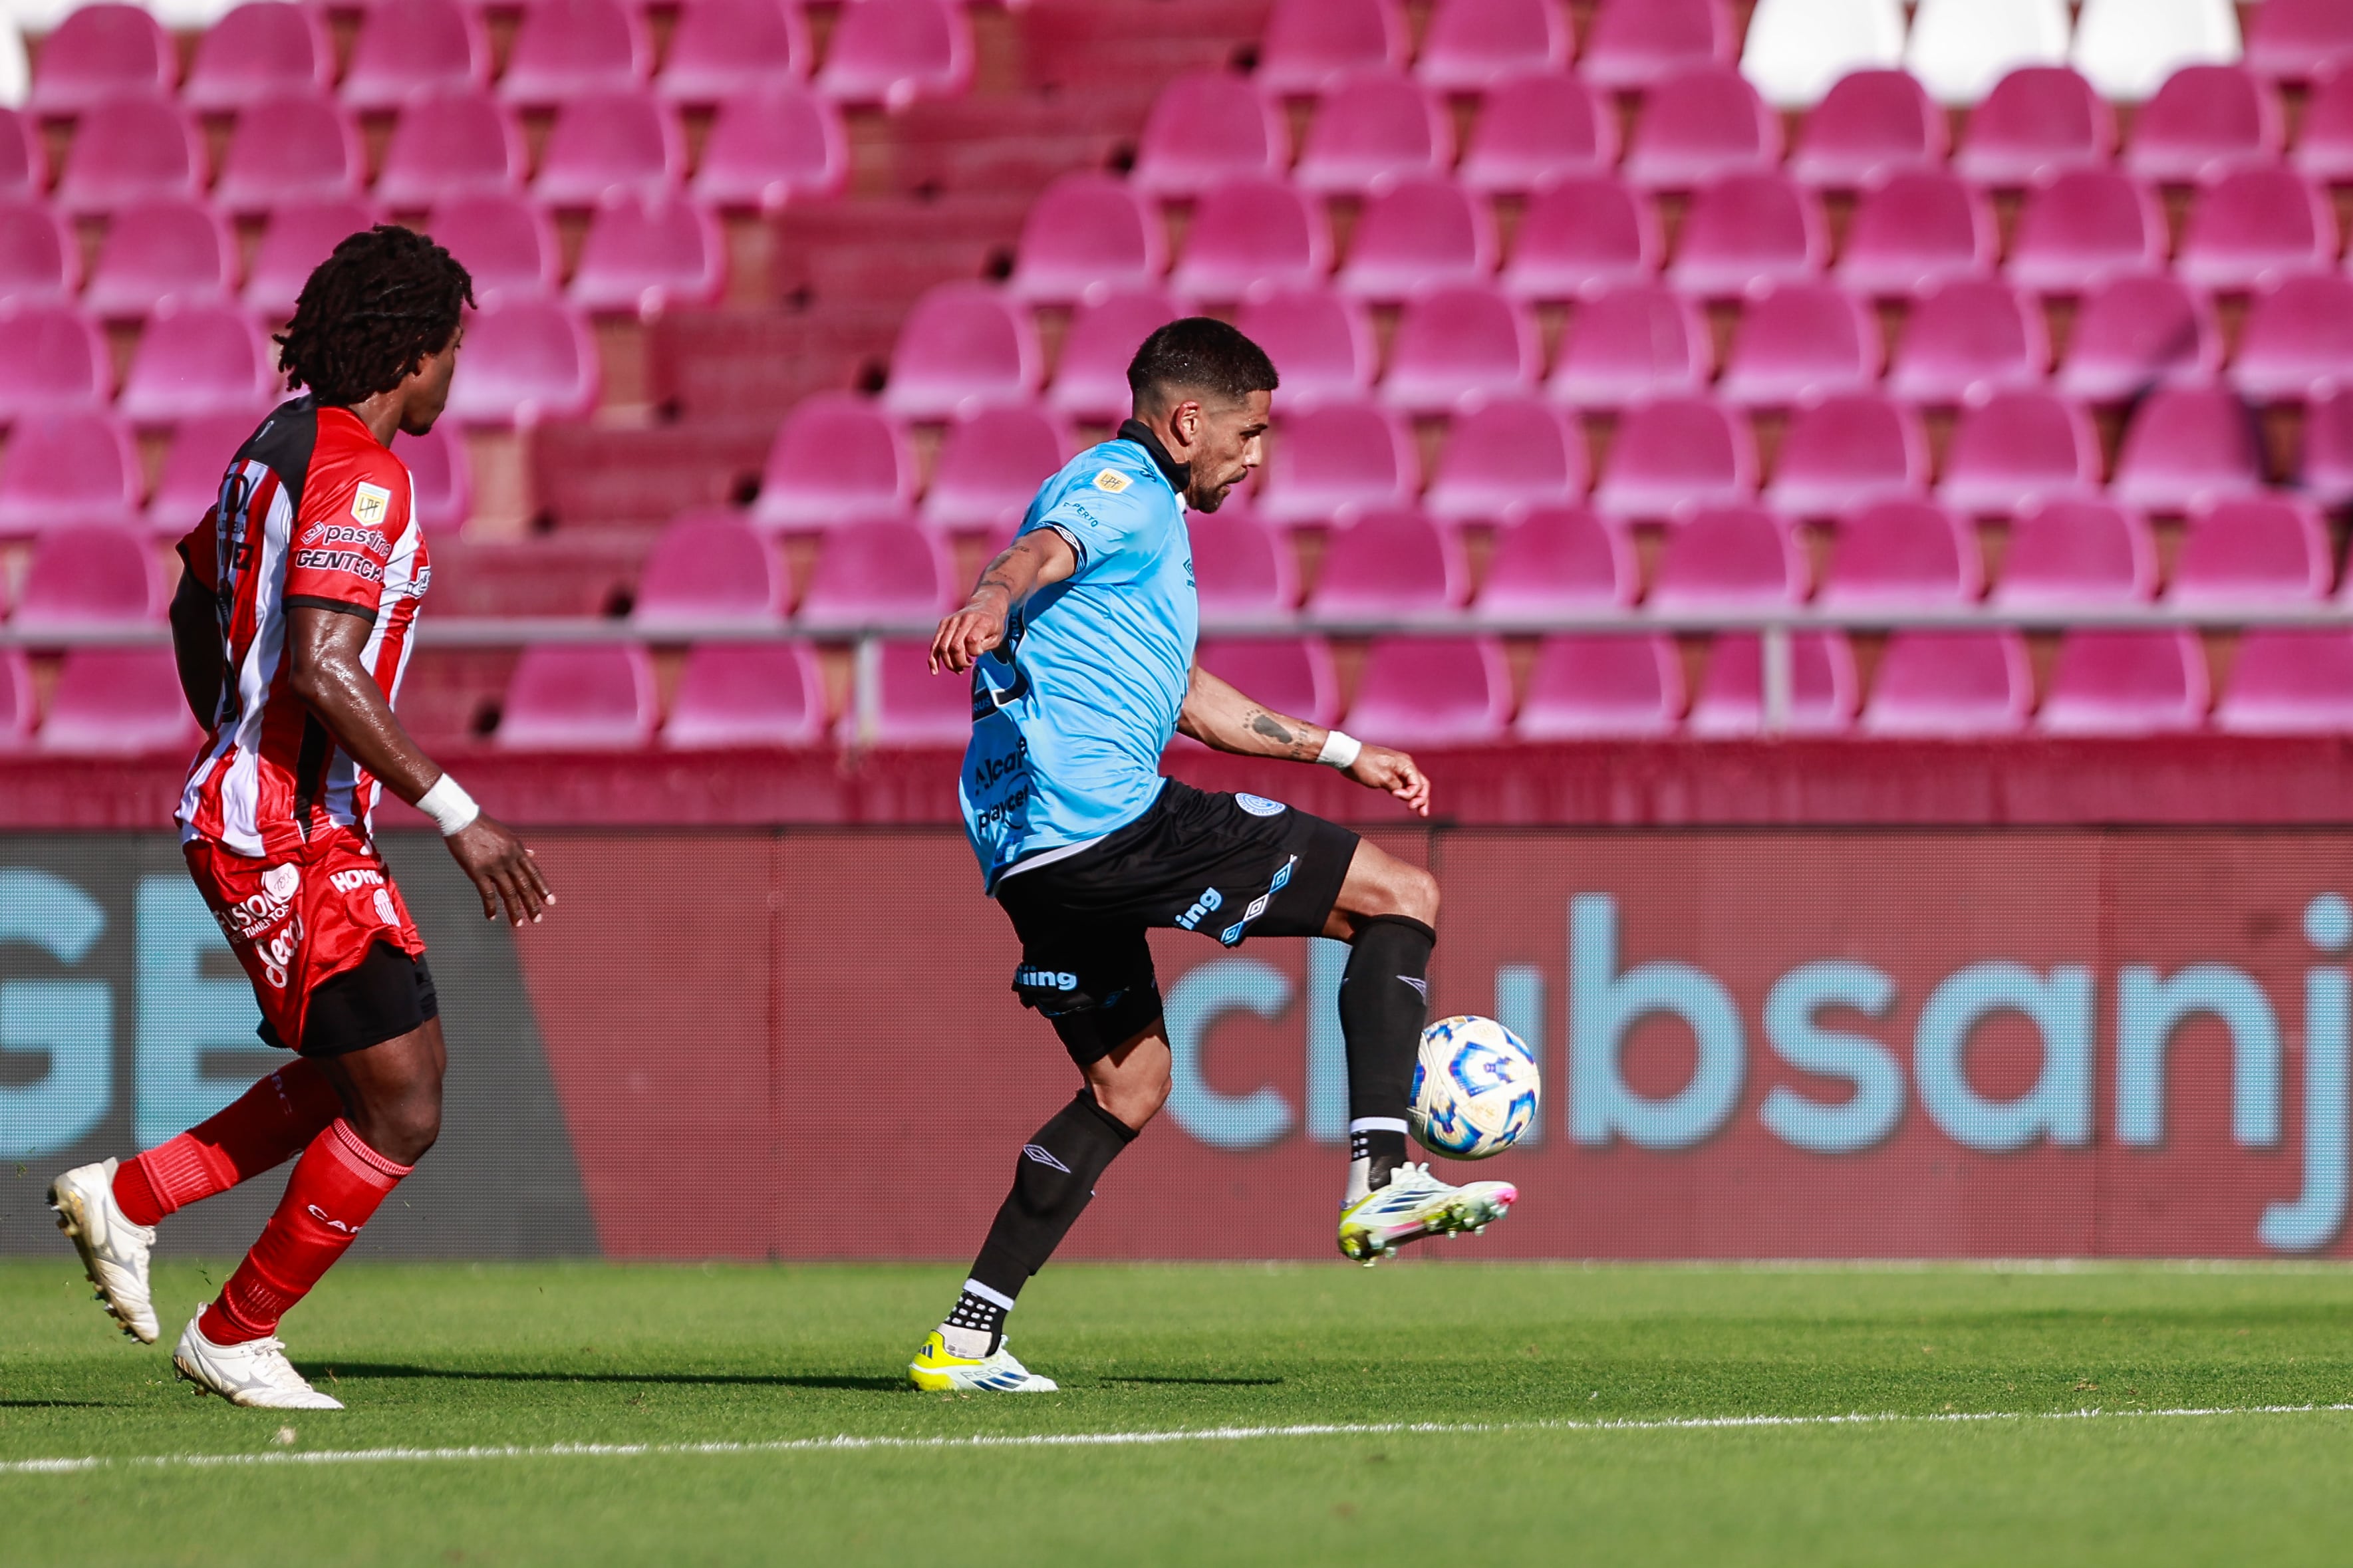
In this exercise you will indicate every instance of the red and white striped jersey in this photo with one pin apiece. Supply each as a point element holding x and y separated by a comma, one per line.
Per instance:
<point>313,511</point>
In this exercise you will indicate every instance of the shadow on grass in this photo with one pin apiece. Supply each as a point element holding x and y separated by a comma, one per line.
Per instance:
<point>53,1404</point>
<point>684,1379</point>
<point>1204,1382</point>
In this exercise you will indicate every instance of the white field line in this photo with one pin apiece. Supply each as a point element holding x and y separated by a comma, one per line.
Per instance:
<point>851,1443</point>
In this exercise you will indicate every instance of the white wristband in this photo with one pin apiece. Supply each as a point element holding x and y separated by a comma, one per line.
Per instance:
<point>1340,750</point>
<point>451,807</point>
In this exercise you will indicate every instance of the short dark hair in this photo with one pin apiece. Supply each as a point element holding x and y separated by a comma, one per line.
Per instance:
<point>367,314</point>
<point>1200,353</point>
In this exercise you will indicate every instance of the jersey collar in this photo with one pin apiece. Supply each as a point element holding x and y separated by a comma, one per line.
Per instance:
<point>1179,475</point>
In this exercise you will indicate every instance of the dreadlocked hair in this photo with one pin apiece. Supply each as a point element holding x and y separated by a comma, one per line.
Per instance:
<point>385,299</point>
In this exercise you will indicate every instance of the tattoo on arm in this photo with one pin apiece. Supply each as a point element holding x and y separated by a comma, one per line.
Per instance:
<point>1272,728</point>
<point>1280,731</point>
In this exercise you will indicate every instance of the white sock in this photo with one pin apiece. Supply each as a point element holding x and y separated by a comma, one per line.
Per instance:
<point>971,1344</point>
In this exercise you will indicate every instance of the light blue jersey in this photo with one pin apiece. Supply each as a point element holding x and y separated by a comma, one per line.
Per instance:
<point>1070,714</point>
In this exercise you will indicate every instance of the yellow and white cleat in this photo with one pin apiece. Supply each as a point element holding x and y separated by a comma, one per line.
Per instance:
<point>113,1250</point>
<point>934,1369</point>
<point>1415,1204</point>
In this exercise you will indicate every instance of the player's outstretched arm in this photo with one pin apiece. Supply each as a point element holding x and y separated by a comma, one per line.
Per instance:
<point>1217,715</point>
<point>326,669</point>
<point>1031,561</point>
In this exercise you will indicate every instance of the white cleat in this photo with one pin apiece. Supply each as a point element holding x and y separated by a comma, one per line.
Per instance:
<point>255,1375</point>
<point>1417,1205</point>
<point>113,1250</point>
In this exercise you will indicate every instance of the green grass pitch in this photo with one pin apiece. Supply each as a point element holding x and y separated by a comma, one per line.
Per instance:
<point>1565,1405</point>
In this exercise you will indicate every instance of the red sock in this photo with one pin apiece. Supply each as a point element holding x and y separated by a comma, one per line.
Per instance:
<point>336,1185</point>
<point>260,1131</point>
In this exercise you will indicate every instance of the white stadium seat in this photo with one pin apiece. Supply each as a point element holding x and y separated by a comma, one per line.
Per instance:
<point>1798,48</point>
<point>1959,48</point>
<point>2126,48</point>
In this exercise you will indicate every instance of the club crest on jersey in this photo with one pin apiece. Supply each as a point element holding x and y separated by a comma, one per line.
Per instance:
<point>369,502</point>
<point>1110,481</point>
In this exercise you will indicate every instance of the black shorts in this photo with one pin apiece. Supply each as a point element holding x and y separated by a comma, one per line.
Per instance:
<point>1229,866</point>
<point>380,998</point>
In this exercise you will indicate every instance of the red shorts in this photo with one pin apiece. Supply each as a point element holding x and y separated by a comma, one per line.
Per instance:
<point>295,924</point>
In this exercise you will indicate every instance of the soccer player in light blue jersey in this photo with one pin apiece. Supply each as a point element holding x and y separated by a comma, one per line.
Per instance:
<point>1080,643</point>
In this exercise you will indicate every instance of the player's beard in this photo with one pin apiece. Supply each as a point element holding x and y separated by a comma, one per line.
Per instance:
<point>1217,498</point>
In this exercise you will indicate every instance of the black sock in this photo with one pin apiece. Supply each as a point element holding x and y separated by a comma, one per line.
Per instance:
<point>1052,1183</point>
<point>1384,1003</point>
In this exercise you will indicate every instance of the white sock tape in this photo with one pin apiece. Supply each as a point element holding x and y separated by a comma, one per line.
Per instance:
<point>1340,750</point>
<point>451,807</point>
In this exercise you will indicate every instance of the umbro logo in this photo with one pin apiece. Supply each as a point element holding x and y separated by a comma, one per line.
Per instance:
<point>1421,986</point>
<point>1031,1152</point>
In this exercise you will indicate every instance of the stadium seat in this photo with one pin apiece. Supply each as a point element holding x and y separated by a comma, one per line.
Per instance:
<point>1321,341</point>
<point>441,478</point>
<point>1308,46</point>
<point>1968,338</point>
<point>1239,567</point>
<point>2298,40</point>
<point>1372,127</point>
<point>710,567</point>
<point>2297,338</point>
<point>1206,127</point>
<point>2084,226</point>
<point>1950,686</point>
<point>1869,125</point>
<point>67,468</point>
<point>579,697</point>
<point>1674,454</point>
<point>2326,468</point>
<point>1634,44</point>
<point>1090,372</point>
<point>1470,45</point>
<point>290,149</point>
<point>747,694</point>
<point>1824,687</point>
<point>2135,332</point>
<point>527,361</point>
<point>2126,683</point>
<point>1087,232</point>
<point>300,235</point>
<point>1461,342</point>
<point>197,460</point>
<point>990,464</point>
<point>1628,686</point>
<point>2186,447</point>
<point>1845,450</point>
<point>97,54</point>
<point>605,142</point>
<point>1389,560</point>
<point>17,701</point>
<point>133,148</point>
<point>727,48</point>
<point>118,702</point>
<point>1290,675</point>
<point>1629,344</point>
<point>88,575</point>
<point>647,254</point>
<point>877,570</point>
<point>2323,144</point>
<point>1434,691</point>
<point>1904,555</point>
<point>40,259</point>
<point>24,166</point>
<point>837,457</point>
<point>1504,453</point>
<point>962,343</point>
<point>405,49</point>
<point>565,49</point>
<point>911,707</point>
<point>2016,448</point>
<point>2128,47</point>
<point>2261,550</point>
<point>1560,558</point>
<point>507,243</point>
<point>1959,48</point>
<point>448,144</point>
<point>174,248</point>
<point>1917,229</point>
<point>2252,224</point>
<point>2285,682</point>
<point>1798,50</point>
<point>891,53</point>
<point>1731,555</point>
<point>772,146</point>
<point>2203,119</point>
<point>1582,233</point>
<point>2038,122</point>
<point>1745,231</point>
<point>1797,340</point>
<point>1534,128</point>
<point>1334,454</point>
<point>1251,234</point>
<point>51,357</point>
<point>1698,124</point>
<point>205,359</point>
<point>2074,554</point>
<point>260,50</point>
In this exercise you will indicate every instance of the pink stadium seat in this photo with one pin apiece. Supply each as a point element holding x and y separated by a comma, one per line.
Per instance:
<point>202,359</point>
<point>67,468</point>
<point>451,144</point>
<point>1802,340</point>
<point>1559,559</point>
<point>99,53</point>
<point>707,567</point>
<point>40,259</point>
<point>2187,446</point>
<point>2251,226</point>
<point>1309,45</point>
<point>2073,554</point>
<point>604,143</point>
<point>1698,124</point>
<point>877,570</point>
<point>1536,128</point>
<point>1847,451</point>
<point>747,694</point>
<point>118,702</point>
<point>1434,691</point>
<point>912,707</point>
<point>51,357</point>
<point>441,478</point>
<point>962,343</point>
<point>1629,344</point>
<point>2326,466</point>
<point>1321,341</point>
<point>2324,145</point>
<point>1582,233</point>
<point>1087,232</point>
<point>1335,454</point>
<point>195,462</point>
<point>1206,127</point>
<point>1091,375</point>
<point>2203,119</point>
<point>771,146</point>
<point>1905,554</point>
<point>2084,226</point>
<point>1731,556</point>
<point>1388,560</point>
<point>1239,567</point>
<point>2038,122</point>
<point>297,148</point>
<point>1744,231</point>
<point>133,148</point>
<point>2298,337</point>
<point>90,575</point>
<point>1672,454</point>
<point>1290,675</point>
<point>1628,686</point>
<point>300,235</point>
<point>565,50</point>
<point>2019,447</point>
<point>893,52</point>
<point>24,166</point>
<point>2253,549</point>
<point>647,254</point>
<point>527,361</point>
<point>408,47</point>
<point>1454,344</point>
<point>1824,689</point>
<point>259,50</point>
<point>2297,41</point>
<point>174,248</point>
<point>1951,686</point>
<point>2289,683</point>
<point>837,457</point>
<point>506,242</point>
<point>579,697</point>
<point>1968,339</point>
<point>991,462</point>
<point>17,701</point>
<point>1871,124</point>
<point>1375,125</point>
<point>1505,453</point>
<point>2134,331</point>
<point>1419,232</point>
<point>2127,683</point>
<point>1470,45</point>
<point>1250,234</point>
<point>1634,44</point>
<point>1916,230</point>
<point>723,48</point>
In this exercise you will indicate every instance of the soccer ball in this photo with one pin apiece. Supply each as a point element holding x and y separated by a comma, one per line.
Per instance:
<point>1475,1089</point>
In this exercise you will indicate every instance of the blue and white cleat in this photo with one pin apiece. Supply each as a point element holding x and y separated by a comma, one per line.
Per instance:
<point>1415,1204</point>
<point>934,1369</point>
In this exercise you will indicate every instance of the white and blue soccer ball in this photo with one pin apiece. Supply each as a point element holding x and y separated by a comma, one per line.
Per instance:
<point>1476,1088</point>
